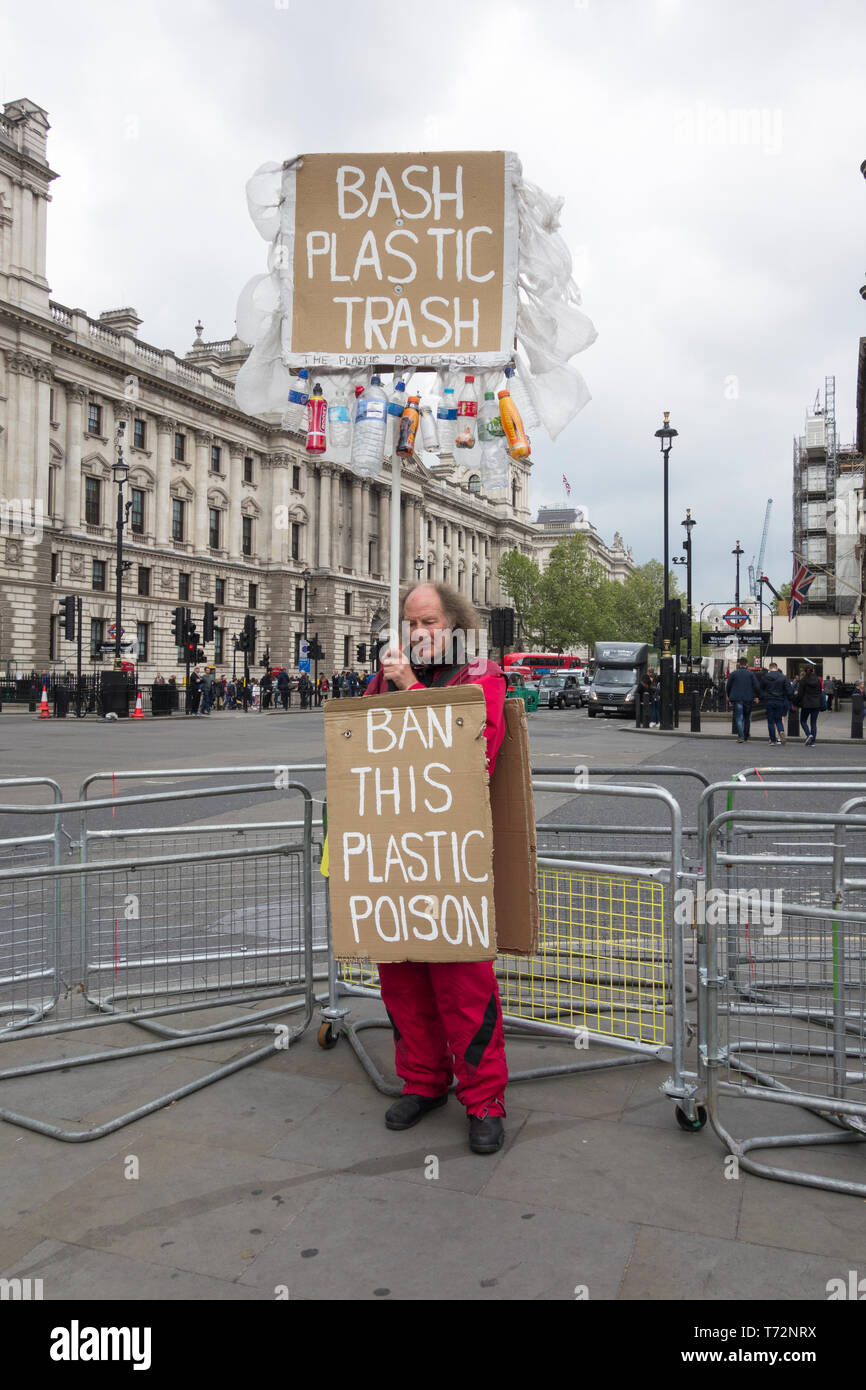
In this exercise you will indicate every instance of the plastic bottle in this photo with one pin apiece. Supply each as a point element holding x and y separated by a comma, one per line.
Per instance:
<point>371,425</point>
<point>518,444</point>
<point>396,406</point>
<point>522,399</point>
<point>494,465</point>
<point>429,432</point>
<point>467,415</point>
<point>317,412</point>
<point>408,427</point>
<point>299,394</point>
<point>446,418</point>
<point>339,424</point>
<point>489,423</point>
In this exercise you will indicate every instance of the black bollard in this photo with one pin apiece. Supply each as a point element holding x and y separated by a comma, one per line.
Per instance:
<point>696,712</point>
<point>793,722</point>
<point>638,709</point>
<point>857,714</point>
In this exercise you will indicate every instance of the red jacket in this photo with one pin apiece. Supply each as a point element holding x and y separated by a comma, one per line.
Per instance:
<point>484,673</point>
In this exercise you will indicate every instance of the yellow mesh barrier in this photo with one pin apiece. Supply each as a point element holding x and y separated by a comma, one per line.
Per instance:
<point>600,963</point>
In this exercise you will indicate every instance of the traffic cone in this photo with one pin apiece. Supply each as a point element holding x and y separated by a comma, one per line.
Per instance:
<point>44,711</point>
<point>138,712</point>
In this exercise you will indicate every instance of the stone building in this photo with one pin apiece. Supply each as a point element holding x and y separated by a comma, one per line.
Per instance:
<point>554,524</point>
<point>222,506</point>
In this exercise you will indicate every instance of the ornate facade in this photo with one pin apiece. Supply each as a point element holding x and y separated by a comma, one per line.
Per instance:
<point>555,524</point>
<point>225,507</point>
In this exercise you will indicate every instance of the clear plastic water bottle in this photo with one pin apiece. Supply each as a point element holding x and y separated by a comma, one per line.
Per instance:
<point>522,399</point>
<point>370,433</point>
<point>446,418</point>
<point>429,432</point>
<point>396,406</point>
<point>467,415</point>
<point>339,423</point>
<point>489,423</point>
<point>494,465</point>
<point>299,395</point>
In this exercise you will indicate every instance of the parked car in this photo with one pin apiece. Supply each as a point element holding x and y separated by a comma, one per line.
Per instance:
<point>517,689</point>
<point>560,691</point>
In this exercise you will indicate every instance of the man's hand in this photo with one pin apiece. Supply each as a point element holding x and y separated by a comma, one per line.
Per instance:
<point>397,668</point>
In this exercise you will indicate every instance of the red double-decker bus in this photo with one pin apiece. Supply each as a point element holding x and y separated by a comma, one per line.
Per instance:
<point>534,665</point>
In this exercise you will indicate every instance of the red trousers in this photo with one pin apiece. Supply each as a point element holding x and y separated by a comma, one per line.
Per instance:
<point>447,1021</point>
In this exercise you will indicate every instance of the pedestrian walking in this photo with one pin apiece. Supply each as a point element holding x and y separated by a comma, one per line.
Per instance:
<point>776,691</point>
<point>283,687</point>
<point>446,1017</point>
<point>742,690</point>
<point>809,699</point>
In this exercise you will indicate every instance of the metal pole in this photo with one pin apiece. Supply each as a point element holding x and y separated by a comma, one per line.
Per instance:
<point>118,570</point>
<point>187,627</point>
<point>394,596</point>
<point>79,604</point>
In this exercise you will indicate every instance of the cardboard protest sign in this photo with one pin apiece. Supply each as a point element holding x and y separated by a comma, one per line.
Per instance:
<point>409,827</point>
<point>406,256</point>
<point>515,845</point>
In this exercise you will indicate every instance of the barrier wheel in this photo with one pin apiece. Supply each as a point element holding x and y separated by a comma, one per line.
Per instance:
<point>691,1126</point>
<point>327,1038</point>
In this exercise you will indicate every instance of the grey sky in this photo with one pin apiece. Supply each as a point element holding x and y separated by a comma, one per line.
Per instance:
<point>719,255</point>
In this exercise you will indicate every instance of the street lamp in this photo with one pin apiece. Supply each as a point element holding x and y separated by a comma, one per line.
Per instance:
<point>120,472</point>
<point>306,576</point>
<point>853,644</point>
<point>686,560</point>
<point>738,551</point>
<point>666,435</point>
<point>419,566</point>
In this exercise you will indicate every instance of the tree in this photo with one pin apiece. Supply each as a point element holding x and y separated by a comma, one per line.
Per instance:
<point>571,591</point>
<point>633,607</point>
<point>520,578</point>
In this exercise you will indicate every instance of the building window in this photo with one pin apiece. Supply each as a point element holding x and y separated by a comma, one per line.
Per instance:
<point>474,579</point>
<point>138,434</point>
<point>177,519</point>
<point>514,495</point>
<point>92,502</point>
<point>445,572</point>
<point>347,656</point>
<point>213,528</point>
<point>96,636</point>
<point>473,543</point>
<point>371,551</point>
<point>296,540</point>
<point>299,637</point>
<point>246,535</point>
<point>136,515</point>
<point>94,419</point>
<point>248,470</point>
<point>486,589</point>
<point>347,602</point>
<point>52,490</point>
<point>296,478</point>
<point>253,596</point>
<point>429,570</point>
<point>55,565</point>
<point>99,574</point>
<point>218,646</point>
<point>180,447</point>
<point>143,581</point>
<point>215,455</point>
<point>141,633</point>
<point>444,535</point>
<point>299,600</point>
<point>183,586</point>
<point>220,596</point>
<point>459,540</point>
<point>429,529</point>
<point>51,416</point>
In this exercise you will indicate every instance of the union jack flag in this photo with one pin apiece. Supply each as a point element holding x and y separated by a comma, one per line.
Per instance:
<point>566,484</point>
<point>803,577</point>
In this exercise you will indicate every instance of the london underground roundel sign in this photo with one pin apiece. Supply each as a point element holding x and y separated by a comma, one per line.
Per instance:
<point>736,617</point>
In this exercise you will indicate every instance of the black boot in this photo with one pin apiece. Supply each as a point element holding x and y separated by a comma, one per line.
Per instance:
<point>486,1134</point>
<point>408,1110</point>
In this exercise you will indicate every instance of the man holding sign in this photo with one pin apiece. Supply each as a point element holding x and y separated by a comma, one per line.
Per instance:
<point>446,1016</point>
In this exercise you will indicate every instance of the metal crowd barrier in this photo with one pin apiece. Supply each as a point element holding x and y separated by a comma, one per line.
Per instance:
<point>138,936</point>
<point>610,964</point>
<point>782,983</point>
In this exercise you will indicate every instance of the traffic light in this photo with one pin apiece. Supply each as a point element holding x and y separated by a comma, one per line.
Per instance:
<point>361,653</point>
<point>316,651</point>
<point>266,659</point>
<point>178,626</point>
<point>248,636</point>
<point>502,627</point>
<point>199,655</point>
<point>209,615</point>
<point>67,616</point>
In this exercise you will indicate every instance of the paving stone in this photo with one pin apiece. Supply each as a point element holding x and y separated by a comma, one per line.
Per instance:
<point>368,1238</point>
<point>679,1265</point>
<point>69,1273</point>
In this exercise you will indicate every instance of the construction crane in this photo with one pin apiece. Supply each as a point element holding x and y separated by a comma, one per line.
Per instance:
<point>756,570</point>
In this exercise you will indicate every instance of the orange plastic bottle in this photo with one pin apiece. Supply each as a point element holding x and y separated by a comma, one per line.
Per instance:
<point>518,440</point>
<point>408,427</point>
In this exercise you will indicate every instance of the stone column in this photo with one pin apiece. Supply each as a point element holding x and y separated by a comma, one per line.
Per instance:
<point>234,539</point>
<point>279,534</point>
<point>339,537</point>
<point>42,435</point>
<point>162,523</point>
<point>359,503</point>
<point>455,560</point>
<point>324,556</point>
<point>203,442</point>
<point>75,398</point>
<point>385,533</point>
